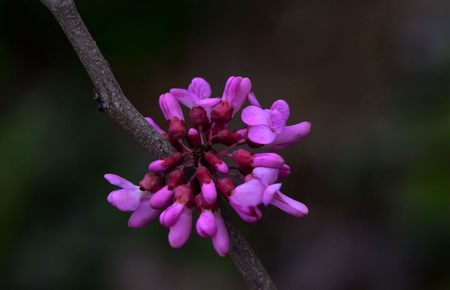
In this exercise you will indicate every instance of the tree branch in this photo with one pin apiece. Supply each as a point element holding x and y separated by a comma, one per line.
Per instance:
<point>111,99</point>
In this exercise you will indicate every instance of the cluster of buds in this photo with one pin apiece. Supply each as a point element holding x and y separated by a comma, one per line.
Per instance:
<point>244,179</point>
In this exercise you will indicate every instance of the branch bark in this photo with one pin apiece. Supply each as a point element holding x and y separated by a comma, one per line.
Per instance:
<point>111,99</point>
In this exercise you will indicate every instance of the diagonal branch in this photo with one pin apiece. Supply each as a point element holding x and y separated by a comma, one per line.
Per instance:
<point>111,99</point>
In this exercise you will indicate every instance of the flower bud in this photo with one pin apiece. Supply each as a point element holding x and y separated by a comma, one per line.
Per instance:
<point>194,138</point>
<point>151,182</point>
<point>225,186</point>
<point>170,107</point>
<point>206,224</point>
<point>227,137</point>
<point>199,118</point>
<point>169,162</point>
<point>284,172</point>
<point>243,157</point>
<point>216,162</point>
<point>175,178</point>
<point>222,112</point>
<point>177,129</point>
<point>183,194</point>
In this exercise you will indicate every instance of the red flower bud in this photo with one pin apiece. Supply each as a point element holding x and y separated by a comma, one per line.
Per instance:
<point>243,157</point>
<point>151,182</point>
<point>175,178</point>
<point>227,137</point>
<point>225,186</point>
<point>183,194</point>
<point>221,113</point>
<point>177,129</point>
<point>216,162</point>
<point>203,175</point>
<point>199,118</point>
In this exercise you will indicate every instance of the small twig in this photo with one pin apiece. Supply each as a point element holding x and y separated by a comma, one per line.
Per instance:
<point>111,100</point>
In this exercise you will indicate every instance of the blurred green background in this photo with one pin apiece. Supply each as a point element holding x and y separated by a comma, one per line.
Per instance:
<point>372,76</point>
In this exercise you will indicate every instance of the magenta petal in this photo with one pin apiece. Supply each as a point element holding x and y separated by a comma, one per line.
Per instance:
<point>261,134</point>
<point>154,125</point>
<point>209,192</point>
<point>285,171</point>
<point>278,123</point>
<point>200,87</point>
<point>170,216</point>
<point>289,205</point>
<point>265,175</point>
<point>206,224</point>
<point>247,214</point>
<point>185,97</point>
<point>119,181</point>
<point>157,166</point>
<point>162,198</point>
<point>269,193</point>
<point>253,115</point>
<point>143,214</point>
<point>271,160</point>
<point>208,104</point>
<point>179,233</point>
<point>222,168</point>
<point>170,107</point>
<point>292,134</point>
<point>248,193</point>
<point>221,240</point>
<point>252,99</point>
<point>125,199</point>
<point>236,92</point>
<point>282,107</point>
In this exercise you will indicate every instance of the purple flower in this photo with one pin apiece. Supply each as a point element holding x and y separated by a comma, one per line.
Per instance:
<point>197,94</point>
<point>165,192</point>
<point>268,126</point>
<point>221,240</point>
<point>234,95</point>
<point>131,198</point>
<point>272,195</point>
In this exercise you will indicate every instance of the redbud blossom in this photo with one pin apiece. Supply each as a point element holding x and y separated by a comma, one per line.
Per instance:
<point>208,161</point>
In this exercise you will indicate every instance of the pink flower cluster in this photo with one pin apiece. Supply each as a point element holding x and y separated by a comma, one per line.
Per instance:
<point>164,190</point>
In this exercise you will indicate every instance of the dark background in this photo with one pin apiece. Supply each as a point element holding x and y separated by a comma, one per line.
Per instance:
<point>373,77</point>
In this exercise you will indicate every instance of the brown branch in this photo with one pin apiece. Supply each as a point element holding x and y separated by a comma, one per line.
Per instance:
<point>111,99</point>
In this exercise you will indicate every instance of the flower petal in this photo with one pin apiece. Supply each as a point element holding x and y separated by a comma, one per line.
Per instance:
<point>221,240</point>
<point>261,134</point>
<point>248,193</point>
<point>125,199</point>
<point>252,99</point>
<point>209,192</point>
<point>289,205</point>
<point>271,160</point>
<point>208,104</point>
<point>266,175</point>
<point>206,225</point>
<point>119,181</point>
<point>170,216</point>
<point>185,97</point>
<point>282,107</point>
<point>170,107</point>
<point>200,87</point>
<point>162,198</point>
<point>143,214</point>
<point>291,134</point>
<point>247,214</point>
<point>278,123</point>
<point>155,126</point>
<point>179,233</point>
<point>253,115</point>
<point>236,92</point>
<point>269,192</point>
